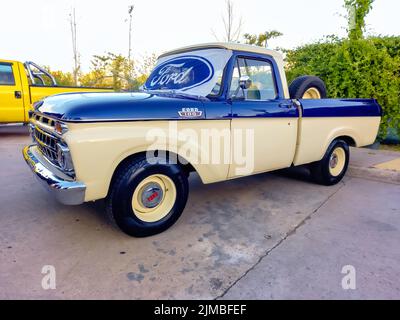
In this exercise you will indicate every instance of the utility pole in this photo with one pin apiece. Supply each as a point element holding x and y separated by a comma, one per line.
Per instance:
<point>74,46</point>
<point>130,12</point>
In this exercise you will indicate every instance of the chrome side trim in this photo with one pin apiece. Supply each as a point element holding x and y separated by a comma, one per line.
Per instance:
<point>66,192</point>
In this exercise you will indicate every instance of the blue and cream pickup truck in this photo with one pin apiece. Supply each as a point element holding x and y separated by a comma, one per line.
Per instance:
<point>221,110</point>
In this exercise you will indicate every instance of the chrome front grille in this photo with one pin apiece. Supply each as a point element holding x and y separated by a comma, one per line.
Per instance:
<point>50,143</point>
<point>44,120</point>
<point>47,144</point>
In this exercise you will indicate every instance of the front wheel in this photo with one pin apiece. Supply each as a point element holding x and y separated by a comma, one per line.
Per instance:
<point>146,199</point>
<point>333,167</point>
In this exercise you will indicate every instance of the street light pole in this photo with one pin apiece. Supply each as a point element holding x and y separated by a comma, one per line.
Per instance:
<point>130,12</point>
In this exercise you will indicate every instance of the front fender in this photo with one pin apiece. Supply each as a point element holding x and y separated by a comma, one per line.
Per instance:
<point>98,148</point>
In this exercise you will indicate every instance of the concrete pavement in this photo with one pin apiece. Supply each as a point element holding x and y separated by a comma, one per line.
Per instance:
<point>267,236</point>
<point>377,165</point>
<point>358,226</point>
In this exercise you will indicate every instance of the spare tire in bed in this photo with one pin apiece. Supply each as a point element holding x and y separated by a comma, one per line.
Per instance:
<point>307,87</point>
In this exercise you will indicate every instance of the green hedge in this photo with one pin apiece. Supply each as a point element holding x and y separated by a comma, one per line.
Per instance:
<point>367,68</point>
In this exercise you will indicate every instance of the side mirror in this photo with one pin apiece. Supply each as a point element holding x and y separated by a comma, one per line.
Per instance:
<point>245,82</point>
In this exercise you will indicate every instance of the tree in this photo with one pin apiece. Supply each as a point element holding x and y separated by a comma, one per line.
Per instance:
<point>77,66</point>
<point>141,70</point>
<point>232,25</point>
<point>109,70</point>
<point>63,78</point>
<point>357,12</point>
<point>261,40</point>
<point>118,72</point>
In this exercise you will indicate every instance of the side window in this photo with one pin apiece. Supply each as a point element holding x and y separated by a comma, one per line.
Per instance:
<point>6,75</point>
<point>261,75</point>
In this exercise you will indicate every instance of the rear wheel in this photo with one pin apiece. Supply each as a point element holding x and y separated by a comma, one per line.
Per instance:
<point>146,199</point>
<point>333,167</point>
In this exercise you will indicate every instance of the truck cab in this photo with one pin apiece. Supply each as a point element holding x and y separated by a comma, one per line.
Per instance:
<point>11,92</point>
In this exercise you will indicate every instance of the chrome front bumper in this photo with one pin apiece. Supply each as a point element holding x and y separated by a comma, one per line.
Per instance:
<point>66,192</point>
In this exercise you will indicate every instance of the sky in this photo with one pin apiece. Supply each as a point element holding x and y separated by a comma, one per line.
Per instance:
<point>39,30</point>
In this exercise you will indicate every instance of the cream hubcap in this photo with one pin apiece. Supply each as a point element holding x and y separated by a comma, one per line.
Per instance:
<point>312,93</point>
<point>337,162</point>
<point>154,198</point>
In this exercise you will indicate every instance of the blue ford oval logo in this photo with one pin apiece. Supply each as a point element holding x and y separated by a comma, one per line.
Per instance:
<point>182,73</point>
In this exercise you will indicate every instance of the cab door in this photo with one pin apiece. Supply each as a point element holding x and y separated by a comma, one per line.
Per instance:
<point>264,123</point>
<point>11,102</point>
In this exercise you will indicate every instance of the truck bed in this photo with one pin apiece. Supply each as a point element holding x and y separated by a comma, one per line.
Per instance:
<point>355,120</point>
<point>340,108</point>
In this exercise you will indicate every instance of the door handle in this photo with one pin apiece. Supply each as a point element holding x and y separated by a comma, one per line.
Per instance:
<point>18,94</point>
<point>286,105</point>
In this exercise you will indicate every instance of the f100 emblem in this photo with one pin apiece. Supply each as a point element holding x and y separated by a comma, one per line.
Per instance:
<point>190,113</point>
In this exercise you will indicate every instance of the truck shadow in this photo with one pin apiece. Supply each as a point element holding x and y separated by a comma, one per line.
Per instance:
<point>10,131</point>
<point>297,173</point>
<point>225,190</point>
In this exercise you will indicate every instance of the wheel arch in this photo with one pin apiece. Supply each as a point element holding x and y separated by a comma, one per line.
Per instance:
<point>346,134</point>
<point>348,139</point>
<point>186,166</point>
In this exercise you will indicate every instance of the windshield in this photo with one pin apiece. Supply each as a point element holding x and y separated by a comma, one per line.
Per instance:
<point>196,72</point>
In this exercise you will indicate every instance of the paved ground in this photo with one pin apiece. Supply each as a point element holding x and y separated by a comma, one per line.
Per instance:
<point>268,236</point>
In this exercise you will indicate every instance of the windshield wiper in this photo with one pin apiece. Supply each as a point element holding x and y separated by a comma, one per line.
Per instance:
<point>175,93</point>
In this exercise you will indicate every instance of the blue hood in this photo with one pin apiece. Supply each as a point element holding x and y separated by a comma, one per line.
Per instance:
<point>99,107</point>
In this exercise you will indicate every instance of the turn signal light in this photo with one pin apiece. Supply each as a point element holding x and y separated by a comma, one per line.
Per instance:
<point>60,128</point>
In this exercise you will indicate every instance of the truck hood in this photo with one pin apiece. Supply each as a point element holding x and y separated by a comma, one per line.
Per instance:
<point>103,107</point>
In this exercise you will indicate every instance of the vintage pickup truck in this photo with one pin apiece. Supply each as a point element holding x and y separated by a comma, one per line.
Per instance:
<point>21,84</point>
<point>221,110</point>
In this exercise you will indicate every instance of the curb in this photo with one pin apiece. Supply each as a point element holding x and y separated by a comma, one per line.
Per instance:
<point>375,174</point>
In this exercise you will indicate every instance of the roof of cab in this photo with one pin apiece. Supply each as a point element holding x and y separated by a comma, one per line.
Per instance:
<point>8,61</point>
<point>227,46</point>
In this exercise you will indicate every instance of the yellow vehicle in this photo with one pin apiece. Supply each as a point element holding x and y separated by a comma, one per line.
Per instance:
<point>22,84</point>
